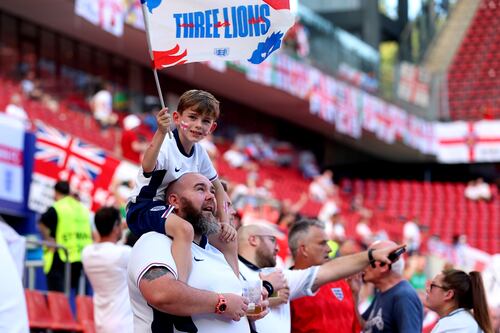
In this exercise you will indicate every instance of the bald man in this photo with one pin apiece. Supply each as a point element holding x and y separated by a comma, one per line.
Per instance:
<point>257,249</point>
<point>211,300</point>
<point>396,307</point>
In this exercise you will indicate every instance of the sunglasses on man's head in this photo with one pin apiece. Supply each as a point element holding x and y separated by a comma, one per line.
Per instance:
<point>381,264</point>
<point>271,238</point>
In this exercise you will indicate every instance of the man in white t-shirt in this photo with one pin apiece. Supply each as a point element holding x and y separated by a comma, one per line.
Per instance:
<point>13,313</point>
<point>105,264</point>
<point>102,106</point>
<point>211,300</point>
<point>257,249</point>
<point>15,108</point>
<point>411,236</point>
<point>16,244</point>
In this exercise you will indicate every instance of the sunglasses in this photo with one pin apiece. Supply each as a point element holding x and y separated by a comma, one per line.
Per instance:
<point>381,264</point>
<point>271,238</point>
<point>433,285</point>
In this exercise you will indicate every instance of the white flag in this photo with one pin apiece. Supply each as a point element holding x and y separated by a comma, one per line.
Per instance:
<point>200,30</point>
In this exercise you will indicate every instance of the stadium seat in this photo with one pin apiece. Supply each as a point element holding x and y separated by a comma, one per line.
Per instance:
<point>39,315</point>
<point>85,313</point>
<point>60,310</point>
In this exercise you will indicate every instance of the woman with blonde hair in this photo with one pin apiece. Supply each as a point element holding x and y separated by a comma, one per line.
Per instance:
<point>452,294</point>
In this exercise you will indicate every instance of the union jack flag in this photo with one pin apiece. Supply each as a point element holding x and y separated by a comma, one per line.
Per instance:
<point>68,153</point>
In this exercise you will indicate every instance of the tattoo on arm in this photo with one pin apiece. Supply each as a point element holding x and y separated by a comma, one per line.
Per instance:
<point>155,272</point>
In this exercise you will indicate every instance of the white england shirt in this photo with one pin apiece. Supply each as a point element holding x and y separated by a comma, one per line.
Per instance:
<point>210,272</point>
<point>171,164</point>
<point>299,282</point>
<point>458,321</point>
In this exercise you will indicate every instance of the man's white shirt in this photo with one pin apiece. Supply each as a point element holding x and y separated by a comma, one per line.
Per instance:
<point>299,282</point>
<point>210,272</point>
<point>106,267</point>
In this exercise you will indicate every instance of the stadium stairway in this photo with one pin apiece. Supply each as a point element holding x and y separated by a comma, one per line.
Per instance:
<point>446,43</point>
<point>474,75</point>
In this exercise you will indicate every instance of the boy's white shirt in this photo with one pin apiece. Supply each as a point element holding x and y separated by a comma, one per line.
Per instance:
<point>175,164</point>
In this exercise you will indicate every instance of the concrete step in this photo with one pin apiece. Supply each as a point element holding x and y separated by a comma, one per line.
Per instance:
<point>446,43</point>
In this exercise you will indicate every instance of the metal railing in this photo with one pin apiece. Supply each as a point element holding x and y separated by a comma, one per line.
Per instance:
<point>32,265</point>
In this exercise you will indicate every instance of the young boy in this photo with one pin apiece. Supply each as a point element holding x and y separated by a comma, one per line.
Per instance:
<point>164,161</point>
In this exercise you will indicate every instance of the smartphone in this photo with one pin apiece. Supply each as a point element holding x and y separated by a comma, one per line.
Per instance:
<point>394,256</point>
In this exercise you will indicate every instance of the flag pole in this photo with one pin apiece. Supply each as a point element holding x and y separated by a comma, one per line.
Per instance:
<point>155,71</point>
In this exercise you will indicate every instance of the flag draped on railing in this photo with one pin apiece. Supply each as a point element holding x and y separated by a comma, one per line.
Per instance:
<point>183,31</point>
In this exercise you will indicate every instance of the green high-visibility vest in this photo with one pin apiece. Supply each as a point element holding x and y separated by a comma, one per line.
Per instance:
<point>334,247</point>
<point>73,231</point>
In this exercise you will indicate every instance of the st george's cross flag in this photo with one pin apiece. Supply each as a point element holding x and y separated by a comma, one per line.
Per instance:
<point>184,31</point>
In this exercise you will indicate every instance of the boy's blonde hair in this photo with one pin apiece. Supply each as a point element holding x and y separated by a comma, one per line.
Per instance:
<point>201,102</point>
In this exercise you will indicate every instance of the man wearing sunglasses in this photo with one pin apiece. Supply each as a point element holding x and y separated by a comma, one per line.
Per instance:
<point>396,306</point>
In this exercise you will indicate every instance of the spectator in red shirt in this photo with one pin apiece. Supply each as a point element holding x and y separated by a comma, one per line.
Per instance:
<point>332,309</point>
<point>132,147</point>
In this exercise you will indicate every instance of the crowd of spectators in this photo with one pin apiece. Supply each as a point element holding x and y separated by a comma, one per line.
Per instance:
<point>252,152</point>
<point>478,190</point>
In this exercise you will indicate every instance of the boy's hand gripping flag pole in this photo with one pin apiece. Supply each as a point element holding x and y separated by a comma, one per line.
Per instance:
<point>155,72</point>
<point>184,31</point>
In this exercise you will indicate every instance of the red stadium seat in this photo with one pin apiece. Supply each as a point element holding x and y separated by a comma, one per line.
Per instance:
<point>60,310</point>
<point>469,82</point>
<point>85,313</point>
<point>39,315</point>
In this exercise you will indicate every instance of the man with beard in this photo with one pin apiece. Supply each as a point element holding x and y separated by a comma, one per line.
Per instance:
<point>211,300</point>
<point>257,249</point>
<point>396,307</point>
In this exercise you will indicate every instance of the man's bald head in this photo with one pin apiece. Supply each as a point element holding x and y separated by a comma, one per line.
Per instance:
<point>244,232</point>
<point>257,244</point>
<point>186,180</point>
<point>398,266</point>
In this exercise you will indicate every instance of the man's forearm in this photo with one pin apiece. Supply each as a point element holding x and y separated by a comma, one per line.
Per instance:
<point>152,152</point>
<point>45,232</point>
<point>229,250</point>
<point>162,291</point>
<point>359,317</point>
<point>340,268</point>
<point>221,201</point>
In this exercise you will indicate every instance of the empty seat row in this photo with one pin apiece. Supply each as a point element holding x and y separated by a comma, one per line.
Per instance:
<point>473,84</point>
<point>53,312</point>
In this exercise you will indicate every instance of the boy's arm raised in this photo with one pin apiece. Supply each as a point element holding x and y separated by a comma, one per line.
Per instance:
<point>228,247</point>
<point>153,150</point>
<point>221,201</point>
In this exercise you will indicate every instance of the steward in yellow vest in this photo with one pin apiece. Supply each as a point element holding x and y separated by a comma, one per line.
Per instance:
<point>67,223</point>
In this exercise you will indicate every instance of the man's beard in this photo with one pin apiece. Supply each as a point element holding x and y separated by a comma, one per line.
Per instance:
<point>203,222</point>
<point>264,259</point>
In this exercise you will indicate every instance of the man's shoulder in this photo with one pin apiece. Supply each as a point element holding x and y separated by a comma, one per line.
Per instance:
<point>300,278</point>
<point>298,272</point>
<point>50,210</point>
<point>148,241</point>
<point>404,288</point>
<point>152,236</point>
<point>404,293</point>
<point>152,248</point>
